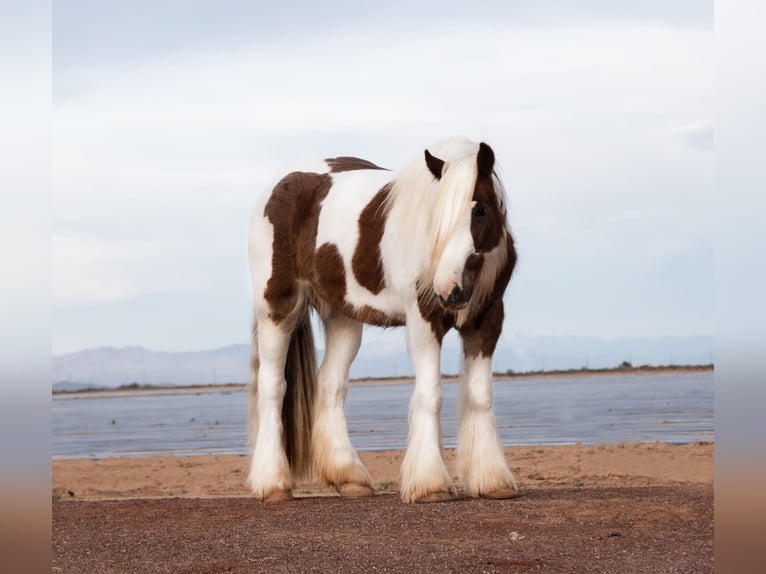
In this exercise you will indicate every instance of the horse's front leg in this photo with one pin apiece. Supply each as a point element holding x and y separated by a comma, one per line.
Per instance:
<point>482,467</point>
<point>424,476</point>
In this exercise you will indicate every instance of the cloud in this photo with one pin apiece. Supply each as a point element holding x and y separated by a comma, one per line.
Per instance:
<point>159,150</point>
<point>199,26</point>
<point>94,271</point>
<point>697,135</point>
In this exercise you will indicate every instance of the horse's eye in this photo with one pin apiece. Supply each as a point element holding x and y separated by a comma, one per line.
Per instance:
<point>479,210</point>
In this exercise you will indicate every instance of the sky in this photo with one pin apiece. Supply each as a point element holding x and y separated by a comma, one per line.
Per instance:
<point>170,118</point>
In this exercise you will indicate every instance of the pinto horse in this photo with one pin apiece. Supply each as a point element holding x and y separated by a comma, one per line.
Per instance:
<point>427,247</point>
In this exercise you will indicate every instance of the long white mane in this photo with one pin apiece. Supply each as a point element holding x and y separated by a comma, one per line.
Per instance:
<point>428,209</point>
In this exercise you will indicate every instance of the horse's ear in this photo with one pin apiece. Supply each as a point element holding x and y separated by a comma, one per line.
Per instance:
<point>485,159</point>
<point>435,165</point>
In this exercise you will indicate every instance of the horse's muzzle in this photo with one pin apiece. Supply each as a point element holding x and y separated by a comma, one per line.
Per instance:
<point>458,298</point>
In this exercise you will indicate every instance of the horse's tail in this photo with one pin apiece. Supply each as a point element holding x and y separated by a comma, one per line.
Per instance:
<point>298,405</point>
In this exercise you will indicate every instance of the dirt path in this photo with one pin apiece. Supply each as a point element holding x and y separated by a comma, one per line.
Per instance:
<point>638,529</point>
<point>628,508</point>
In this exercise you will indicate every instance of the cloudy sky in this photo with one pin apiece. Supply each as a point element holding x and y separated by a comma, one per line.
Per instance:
<point>170,117</point>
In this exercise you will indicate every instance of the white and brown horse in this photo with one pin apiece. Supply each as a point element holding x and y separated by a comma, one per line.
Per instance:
<point>427,247</point>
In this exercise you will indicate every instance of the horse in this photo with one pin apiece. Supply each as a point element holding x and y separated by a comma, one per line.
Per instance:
<point>427,247</point>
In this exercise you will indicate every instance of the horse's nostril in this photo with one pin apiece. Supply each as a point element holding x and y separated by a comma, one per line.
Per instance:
<point>457,296</point>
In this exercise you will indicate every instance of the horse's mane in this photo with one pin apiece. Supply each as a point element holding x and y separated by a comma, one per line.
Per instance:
<point>429,210</point>
<point>435,207</point>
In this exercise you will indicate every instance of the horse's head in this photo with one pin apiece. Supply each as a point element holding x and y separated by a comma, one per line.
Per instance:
<point>469,223</point>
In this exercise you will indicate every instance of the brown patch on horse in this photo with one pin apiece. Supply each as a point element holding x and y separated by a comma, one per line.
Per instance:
<point>487,220</point>
<point>347,163</point>
<point>472,269</point>
<point>372,316</point>
<point>329,281</point>
<point>329,275</point>
<point>293,210</point>
<point>504,275</point>
<point>367,263</point>
<point>440,319</point>
<point>481,331</point>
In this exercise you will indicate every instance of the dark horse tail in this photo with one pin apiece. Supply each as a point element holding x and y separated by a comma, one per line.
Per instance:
<point>298,403</point>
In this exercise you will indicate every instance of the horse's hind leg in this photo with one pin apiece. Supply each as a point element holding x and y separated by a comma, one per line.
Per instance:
<point>270,477</point>
<point>335,459</point>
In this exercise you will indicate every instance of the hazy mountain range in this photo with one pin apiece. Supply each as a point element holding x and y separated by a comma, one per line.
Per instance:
<point>111,367</point>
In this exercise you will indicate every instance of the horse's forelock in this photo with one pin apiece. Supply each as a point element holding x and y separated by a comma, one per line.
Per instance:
<point>452,203</point>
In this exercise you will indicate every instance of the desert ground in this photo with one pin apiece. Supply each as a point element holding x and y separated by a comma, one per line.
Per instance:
<point>636,507</point>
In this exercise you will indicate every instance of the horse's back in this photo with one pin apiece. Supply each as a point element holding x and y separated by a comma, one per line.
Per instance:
<point>351,193</point>
<point>323,229</point>
<point>305,209</point>
<point>295,199</point>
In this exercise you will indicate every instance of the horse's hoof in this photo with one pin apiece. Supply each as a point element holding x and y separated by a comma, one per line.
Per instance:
<point>279,495</point>
<point>437,497</point>
<point>353,490</point>
<point>502,493</point>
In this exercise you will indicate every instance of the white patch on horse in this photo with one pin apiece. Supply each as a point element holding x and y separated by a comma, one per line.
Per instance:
<point>339,225</point>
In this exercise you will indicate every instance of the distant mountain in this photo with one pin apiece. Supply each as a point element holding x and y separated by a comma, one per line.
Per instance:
<point>523,353</point>
<point>111,367</point>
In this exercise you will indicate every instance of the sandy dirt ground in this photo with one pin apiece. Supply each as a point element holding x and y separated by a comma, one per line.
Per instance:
<point>607,508</point>
<point>211,476</point>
